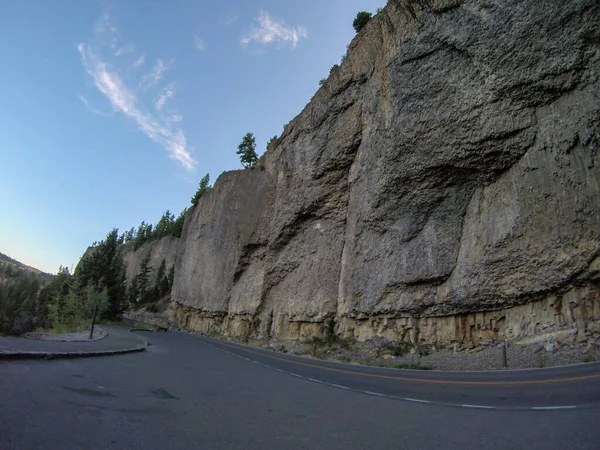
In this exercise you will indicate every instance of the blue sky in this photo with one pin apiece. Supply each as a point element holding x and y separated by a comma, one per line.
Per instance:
<point>112,111</point>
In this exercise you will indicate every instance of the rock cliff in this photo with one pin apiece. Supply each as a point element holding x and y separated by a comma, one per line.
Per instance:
<point>442,185</point>
<point>164,249</point>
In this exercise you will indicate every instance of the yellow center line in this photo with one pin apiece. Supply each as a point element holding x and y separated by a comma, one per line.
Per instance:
<point>424,380</point>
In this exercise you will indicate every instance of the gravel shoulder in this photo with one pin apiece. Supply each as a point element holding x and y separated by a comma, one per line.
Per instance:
<point>565,349</point>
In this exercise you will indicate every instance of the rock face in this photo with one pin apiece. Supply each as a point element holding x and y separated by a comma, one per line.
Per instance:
<point>165,249</point>
<point>442,185</point>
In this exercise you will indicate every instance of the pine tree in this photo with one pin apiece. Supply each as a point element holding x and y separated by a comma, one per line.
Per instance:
<point>247,151</point>
<point>162,227</point>
<point>171,277</point>
<point>143,281</point>
<point>133,292</point>
<point>203,189</point>
<point>362,18</point>
<point>103,268</point>
<point>177,226</point>
<point>130,235</point>
<point>164,287</point>
<point>271,141</point>
<point>162,282</point>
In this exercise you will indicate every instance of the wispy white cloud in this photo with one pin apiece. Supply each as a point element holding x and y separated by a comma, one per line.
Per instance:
<point>140,61</point>
<point>125,96</point>
<point>166,94</point>
<point>153,77</point>
<point>91,108</point>
<point>231,20</point>
<point>199,43</point>
<point>104,25</point>
<point>125,50</point>
<point>270,30</point>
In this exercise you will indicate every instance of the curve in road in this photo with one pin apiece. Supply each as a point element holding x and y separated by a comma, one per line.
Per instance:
<point>567,387</point>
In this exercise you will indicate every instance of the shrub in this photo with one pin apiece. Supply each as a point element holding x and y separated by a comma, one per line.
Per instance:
<point>362,18</point>
<point>398,349</point>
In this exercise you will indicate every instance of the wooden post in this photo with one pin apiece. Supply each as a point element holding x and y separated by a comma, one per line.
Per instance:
<point>93,321</point>
<point>504,357</point>
<point>314,349</point>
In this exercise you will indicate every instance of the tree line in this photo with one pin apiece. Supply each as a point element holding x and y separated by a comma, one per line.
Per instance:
<point>19,290</point>
<point>167,225</point>
<point>67,301</point>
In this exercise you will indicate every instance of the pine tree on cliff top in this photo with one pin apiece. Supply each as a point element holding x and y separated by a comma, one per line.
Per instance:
<point>247,151</point>
<point>203,189</point>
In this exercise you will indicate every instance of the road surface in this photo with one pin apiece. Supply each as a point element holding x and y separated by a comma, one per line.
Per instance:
<point>189,392</point>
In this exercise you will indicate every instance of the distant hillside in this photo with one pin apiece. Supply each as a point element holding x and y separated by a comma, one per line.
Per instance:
<point>6,262</point>
<point>20,287</point>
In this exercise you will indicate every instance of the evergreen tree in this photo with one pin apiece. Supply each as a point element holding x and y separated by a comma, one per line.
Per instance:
<point>247,151</point>
<point>177,226</point>
<point>362,18</point>
<point>160,275</point>
<point>271,141</point>
<point>171,277</point>
<point>162,227</point>
<point>54,292</point>
<point>103,268</point>
<point>162,281</point>
<point>143,279</point>
<point>133,293</point>
<point>144,234</point>
<point>203,189</point>
<point>164,289</point>
<point>130,235</point>
<point>140,236</point>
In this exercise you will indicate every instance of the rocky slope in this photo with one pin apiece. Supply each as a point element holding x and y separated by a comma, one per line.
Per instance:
<point>442,185</point>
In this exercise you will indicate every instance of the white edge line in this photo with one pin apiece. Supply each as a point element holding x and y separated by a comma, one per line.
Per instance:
<point>279,370</point>
<point>340,386</point>
<point>478,406</point>
<point>314,381</point>
<point>373,393</point>
<point>416,400</point>
<point>554,407</point>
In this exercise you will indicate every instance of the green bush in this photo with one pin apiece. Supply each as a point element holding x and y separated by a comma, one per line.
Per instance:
<point>362,18</point>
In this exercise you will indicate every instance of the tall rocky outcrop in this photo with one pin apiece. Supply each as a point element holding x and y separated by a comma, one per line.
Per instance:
<point>443,184</point>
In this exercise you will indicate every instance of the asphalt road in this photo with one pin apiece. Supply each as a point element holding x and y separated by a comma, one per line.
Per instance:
<point>197,393</point>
